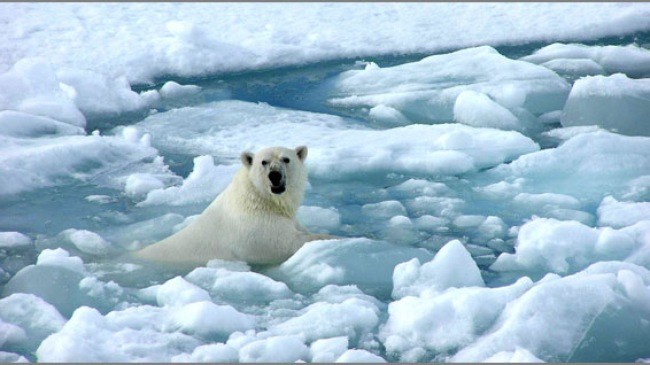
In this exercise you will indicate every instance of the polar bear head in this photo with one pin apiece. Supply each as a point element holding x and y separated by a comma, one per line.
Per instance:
<point>277,172</point>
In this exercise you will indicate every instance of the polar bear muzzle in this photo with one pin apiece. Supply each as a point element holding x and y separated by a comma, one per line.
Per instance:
<point>278,182</point>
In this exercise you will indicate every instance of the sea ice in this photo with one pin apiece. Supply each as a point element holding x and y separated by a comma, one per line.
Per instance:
<point>631,60</point>
<point>614,213</point>
<point>560,319</point>
<point>550,245</point>
<point>225,128</point>
<point>32,87</point>
<point>616,103</point>
<point>439,87</point>
<point>275,349</point>
<point>359,356</point>
<point>13,240</point>
<point>174,90</point>
<point>319,263</point>
<point>411,278</point>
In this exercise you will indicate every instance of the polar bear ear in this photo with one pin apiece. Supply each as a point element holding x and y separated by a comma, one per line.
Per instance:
<point>247,159</point>
<point>301,152</point>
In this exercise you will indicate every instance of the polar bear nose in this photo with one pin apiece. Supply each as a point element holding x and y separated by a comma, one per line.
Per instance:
<point>275,177</point>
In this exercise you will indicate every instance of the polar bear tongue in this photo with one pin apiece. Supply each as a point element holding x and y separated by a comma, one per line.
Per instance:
<point>278,189</point>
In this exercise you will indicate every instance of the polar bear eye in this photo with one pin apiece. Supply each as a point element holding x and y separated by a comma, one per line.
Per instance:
<point>286,160</point>
<point>264,163</point>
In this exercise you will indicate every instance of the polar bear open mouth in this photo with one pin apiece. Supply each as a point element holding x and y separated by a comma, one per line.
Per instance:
<point>277,182</point>
<point>278,189</point>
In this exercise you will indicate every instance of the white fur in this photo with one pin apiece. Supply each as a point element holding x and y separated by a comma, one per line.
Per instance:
<point>246,221</point>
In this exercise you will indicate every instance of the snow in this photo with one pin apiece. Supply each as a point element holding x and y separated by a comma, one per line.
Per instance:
<point>487,181</point>
<point>617,103</point>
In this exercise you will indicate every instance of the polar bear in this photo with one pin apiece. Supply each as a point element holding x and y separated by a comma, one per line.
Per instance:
<point>252,220</point>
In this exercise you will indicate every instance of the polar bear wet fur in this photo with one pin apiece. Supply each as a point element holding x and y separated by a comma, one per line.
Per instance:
<point>252,220</point>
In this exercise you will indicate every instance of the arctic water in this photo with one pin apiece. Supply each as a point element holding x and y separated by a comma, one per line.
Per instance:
<point>540,232</point>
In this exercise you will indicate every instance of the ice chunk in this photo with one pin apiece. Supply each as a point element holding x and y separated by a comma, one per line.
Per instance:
<point>519,355</point>
<point>135,235</point>
<point>7,357</point>
<point>574,68</point>
<point>275,349</point>
<point>18,124</point>
<point>10,240</point>
<point>59,282</point>
<point>359,356</point>
<point>131,335</point>
<point>87,241</point>
<point>385,209</point>
<point>584,166</point>
<point>616,103</point>
<point>226,128</point>
<point>478,110</point>
<point>32,87</point>
<point>141,183</point>
<point>204,183</point>
<point>452,266</point>
<point>33,315</point>
<point>427,90</point>
<point>97,95</point>
<point>11,335</point>
<point>238,285</point>
<point>27,164</point>
<point>328,349</point>
<point>318,219</point>
<point>352,318</point>
<point>178,291</point>
<point>546,200</point>
<point>631,60</point>
<point>61,257</point>
<point>319,263</point>
<point>444,322</point>
<point>214,352</point>
<point>614,213</point>
<point>387,115</point>
<point>565,246</point>
<point>555,317</point>
<point>174,90</point>
<point>209,320</point>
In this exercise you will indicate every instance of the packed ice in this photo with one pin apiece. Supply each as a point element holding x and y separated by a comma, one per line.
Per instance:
<point>487,186</point>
